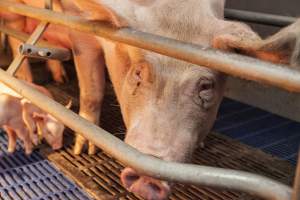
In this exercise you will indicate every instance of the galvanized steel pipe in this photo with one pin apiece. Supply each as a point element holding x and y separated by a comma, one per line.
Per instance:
<point>259,18</point>
<point>44,52</point>
<point>67,54</point>
<point>235,65</point>
<point>185,173</point>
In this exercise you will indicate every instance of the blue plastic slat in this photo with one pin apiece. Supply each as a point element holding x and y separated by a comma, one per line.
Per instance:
<point>260,129</point>
<point>33,178</point>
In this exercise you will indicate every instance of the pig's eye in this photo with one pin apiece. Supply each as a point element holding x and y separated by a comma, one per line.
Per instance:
<point>206,85</point>
<point>138,75</point>
<point>206,93</point>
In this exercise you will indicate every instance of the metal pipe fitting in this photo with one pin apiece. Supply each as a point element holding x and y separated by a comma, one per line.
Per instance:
<point>41,43</point>
<point>44,52</point>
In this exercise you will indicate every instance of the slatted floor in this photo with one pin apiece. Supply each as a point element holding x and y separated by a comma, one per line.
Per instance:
<point>33,178</point>
<point>260,129</point>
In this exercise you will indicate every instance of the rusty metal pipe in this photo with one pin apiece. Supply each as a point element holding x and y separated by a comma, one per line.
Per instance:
<point>296,191</point>
<point>259,18</point>
<point>185,173</point>
<point>241,66</point>
<point>44,53</point>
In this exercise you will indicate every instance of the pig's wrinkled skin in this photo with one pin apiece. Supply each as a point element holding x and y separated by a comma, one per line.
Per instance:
<point>21,119</point>
<point>168,106</point>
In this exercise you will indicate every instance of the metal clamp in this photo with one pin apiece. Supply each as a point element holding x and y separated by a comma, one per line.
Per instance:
<point>44,52</point>
<point>36,35</point>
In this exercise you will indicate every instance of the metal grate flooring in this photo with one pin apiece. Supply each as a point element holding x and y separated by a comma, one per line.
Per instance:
<point>99,174</point>
<point>33,178</point>
<point>260,129</point>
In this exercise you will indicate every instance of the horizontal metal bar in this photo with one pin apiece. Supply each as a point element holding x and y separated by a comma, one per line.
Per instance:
<point>24,37</point>
<point>184,173</point>
<point>241,66</point>
<point>259,18</point>
<point>44,53</point>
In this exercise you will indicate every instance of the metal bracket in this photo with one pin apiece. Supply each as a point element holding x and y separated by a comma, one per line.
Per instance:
<point>44,52</point>
<point>35,36</point>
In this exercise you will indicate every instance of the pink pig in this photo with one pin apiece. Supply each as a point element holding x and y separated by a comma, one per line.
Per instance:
<point>168,106</point>
<point>21,119</point>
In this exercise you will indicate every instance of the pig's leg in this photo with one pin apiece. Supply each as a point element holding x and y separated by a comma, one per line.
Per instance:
<point>18,23</point>
<point>90,67</point>
<point>58,71</point>
<point>30,123</point>
<point>12,138</point>
<point>283,47</point>
<point>23,135</point>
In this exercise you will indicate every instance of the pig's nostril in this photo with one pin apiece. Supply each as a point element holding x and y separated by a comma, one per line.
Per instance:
<point>129,177</point>
<point>155,188</point>
<point>132,177</point>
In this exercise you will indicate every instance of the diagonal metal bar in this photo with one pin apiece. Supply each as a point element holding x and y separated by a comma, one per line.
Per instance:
<point>32,40</point>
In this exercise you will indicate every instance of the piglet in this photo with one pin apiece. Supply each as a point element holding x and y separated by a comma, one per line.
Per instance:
<point>22,119</point>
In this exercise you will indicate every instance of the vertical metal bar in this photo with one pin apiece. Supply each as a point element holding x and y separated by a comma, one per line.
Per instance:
<point>296,191</point>
<point>36,35</point>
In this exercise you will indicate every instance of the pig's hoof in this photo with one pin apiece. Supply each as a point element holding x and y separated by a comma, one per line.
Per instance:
<point>61,79</point>
<point>10,150</point>
<point>92,149</point>
<point>79,144</point>
<point>78,149</point>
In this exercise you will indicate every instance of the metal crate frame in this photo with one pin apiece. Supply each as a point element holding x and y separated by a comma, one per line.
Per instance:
<point>241,66</point>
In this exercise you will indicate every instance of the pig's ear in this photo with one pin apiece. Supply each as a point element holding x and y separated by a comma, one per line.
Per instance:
<point>95,10</point>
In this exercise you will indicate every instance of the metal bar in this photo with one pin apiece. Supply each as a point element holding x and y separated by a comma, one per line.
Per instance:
<point>296,191</point>
<point>241,66</point>
<point>18,60</point>
<point>24,37</point>
<point>185,173</point>
<point>44,53</point>
<point>259,18</point>
<point>34,37</point>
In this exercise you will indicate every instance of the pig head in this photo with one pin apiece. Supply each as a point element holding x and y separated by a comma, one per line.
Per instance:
<point>168,106</point>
